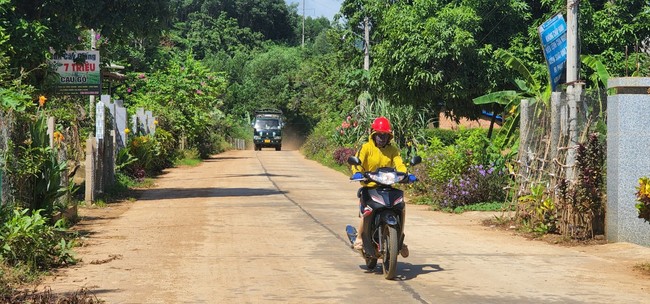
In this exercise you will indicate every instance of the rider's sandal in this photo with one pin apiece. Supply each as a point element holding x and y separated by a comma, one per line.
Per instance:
<point>358,244</point>
<point>404,251</point>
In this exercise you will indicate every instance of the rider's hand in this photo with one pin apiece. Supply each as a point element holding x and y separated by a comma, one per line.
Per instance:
<point>412,178</point>
<point>357,176</point>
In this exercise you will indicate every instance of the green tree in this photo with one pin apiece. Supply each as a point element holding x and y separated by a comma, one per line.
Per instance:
<point>612,28</point>
<point>314,27</point>
<point>268,81</point>
<point>272,18</point>
<point>205,35</point>
<point>437,53</point>
<point>35,27</point>
<point>185,97</point>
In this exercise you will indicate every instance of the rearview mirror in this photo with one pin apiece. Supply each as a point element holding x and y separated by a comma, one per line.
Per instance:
<point>416,160</point>
<point>353,160</point>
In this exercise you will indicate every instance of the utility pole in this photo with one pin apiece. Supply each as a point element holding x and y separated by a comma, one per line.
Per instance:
<point>366,37</point>
<point>93,46</point>
<point>366,60</point>
<point>303,23</point>
<point>574,88</point>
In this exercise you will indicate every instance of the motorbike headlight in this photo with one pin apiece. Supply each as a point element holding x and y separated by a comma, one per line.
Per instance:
<point>386,178</point>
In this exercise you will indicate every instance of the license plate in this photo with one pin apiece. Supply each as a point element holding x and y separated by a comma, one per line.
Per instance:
<point>266,141</point>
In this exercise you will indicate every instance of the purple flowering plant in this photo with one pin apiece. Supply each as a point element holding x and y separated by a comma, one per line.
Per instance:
<point>471,170</point>
<point>479,184</point>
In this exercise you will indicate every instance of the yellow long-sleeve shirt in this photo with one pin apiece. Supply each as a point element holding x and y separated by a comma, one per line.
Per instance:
<point>373,158</point>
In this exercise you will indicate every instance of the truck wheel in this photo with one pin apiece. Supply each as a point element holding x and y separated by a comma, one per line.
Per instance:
<point>278,148</point>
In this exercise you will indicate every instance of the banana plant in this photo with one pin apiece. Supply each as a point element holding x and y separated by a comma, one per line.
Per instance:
<point>600,76</point>
<point>529,88</point>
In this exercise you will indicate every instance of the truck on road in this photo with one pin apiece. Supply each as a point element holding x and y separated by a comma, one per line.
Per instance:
<point>267,129</point>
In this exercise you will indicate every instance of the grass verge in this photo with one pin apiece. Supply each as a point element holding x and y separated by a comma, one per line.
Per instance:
<point>190,158</point>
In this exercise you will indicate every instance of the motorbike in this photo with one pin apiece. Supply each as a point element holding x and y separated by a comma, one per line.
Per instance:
<point>383,218</point>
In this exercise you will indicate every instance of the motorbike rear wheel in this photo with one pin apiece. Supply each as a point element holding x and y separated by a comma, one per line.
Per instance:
<point>390,244</point>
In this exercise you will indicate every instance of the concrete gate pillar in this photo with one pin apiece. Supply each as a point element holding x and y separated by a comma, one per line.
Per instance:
<point>628,157</point>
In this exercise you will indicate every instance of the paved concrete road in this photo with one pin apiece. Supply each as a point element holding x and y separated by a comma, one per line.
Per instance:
<point>268,227</point>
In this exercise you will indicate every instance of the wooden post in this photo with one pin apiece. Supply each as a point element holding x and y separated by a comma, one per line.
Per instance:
<point>525,112</point>
<point>50,130</point>
<point>556,101</point>
<point>90,170</point>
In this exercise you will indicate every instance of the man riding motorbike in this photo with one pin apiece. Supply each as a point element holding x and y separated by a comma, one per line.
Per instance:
<point>374,154</point>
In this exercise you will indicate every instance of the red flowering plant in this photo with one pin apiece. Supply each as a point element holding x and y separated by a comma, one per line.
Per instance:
<point>349,133</point>
<point>347,137</point>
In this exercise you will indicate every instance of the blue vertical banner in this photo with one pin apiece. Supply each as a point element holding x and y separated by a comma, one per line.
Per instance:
<point>553,35</point>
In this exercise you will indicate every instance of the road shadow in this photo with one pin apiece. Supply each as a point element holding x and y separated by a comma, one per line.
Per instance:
<point>228,176</point>
<point>213,159</point>
<point>255,175</point>
<point>406,271</point>
<point>179,193</point>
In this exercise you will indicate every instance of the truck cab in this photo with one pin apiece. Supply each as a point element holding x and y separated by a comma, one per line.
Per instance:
<point>267,129</point>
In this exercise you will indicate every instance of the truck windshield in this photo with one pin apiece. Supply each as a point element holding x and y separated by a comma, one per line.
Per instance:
<point>261,124</point>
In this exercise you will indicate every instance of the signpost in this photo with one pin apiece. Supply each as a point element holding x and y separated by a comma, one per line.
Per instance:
<point>553,34</point>
<point>78,72</point>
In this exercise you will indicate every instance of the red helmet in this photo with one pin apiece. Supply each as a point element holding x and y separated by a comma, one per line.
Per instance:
<point>381,124</point>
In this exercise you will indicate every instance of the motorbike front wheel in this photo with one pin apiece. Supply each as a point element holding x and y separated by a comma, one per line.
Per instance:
<point>371,263</point>
<point>390,243</point>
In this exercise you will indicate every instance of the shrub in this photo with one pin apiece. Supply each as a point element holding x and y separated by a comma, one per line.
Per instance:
<point>643,198</point>
<point>320,143</point>
<point>349,132</point>
<point>446,137</point>
<point>33,168</point>
<point>342,154</point>
<point>314,145</point>
<point>210,144</point>
<point>449,173</point>
<point>186,97</point>
<point>479,184</point>
<point>143,149</point>
<point>536,211</point>
<point>440,164</point>
<point>580,205</point>
<point>29,241</point>
<point>167,152</point>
